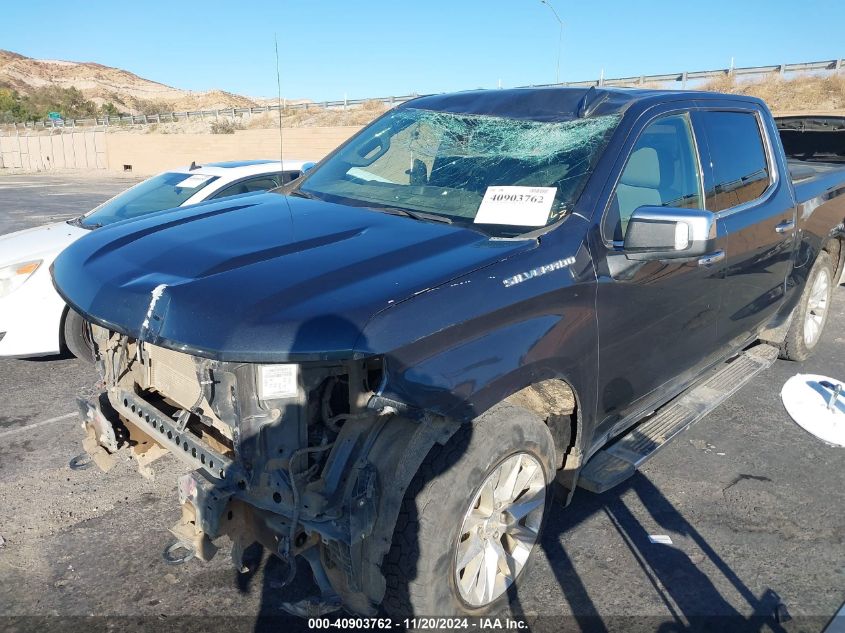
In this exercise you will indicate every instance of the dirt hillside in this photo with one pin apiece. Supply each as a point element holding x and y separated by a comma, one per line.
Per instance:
<point>804,93</point>
<point>103,84</point>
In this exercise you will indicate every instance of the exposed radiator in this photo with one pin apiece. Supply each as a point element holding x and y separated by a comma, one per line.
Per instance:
<point>174,375</point>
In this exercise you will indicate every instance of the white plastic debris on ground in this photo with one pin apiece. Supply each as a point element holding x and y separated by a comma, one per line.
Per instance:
<point>660,539</point>
<point>817,404</point>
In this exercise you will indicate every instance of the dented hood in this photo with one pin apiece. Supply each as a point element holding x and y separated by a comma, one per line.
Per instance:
<point>263,278</point>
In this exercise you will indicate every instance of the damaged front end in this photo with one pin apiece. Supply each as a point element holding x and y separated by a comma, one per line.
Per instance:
<point>288,456</point>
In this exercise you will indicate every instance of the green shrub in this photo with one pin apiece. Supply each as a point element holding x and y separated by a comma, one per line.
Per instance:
<point>70,103</point>
<point>225,126</point>
<point>109,109</point>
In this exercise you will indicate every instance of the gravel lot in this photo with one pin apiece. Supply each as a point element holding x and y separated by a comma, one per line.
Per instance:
<point>754,507</point>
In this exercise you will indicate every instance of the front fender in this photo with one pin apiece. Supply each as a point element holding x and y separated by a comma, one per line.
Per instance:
<point>459,349</point>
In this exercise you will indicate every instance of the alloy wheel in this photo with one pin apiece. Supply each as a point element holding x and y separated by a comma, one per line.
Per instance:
<point>500,529</point>
<point>817,308</point>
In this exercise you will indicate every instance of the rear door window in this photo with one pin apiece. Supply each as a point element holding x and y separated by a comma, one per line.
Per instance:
<point>741,171</point>
<point>288,176</point>
<point>662,171</point>
<point>250,185</point>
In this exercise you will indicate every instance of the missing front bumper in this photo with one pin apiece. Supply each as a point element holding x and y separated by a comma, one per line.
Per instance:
<point>157,429</point>
<point>213,497</point>
<point>262,473</point>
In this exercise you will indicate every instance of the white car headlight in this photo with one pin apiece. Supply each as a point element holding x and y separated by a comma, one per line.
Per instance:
<point>278,381</point>
<point>12,277</point>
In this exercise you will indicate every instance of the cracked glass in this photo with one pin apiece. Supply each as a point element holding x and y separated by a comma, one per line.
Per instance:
<point>439,165</point>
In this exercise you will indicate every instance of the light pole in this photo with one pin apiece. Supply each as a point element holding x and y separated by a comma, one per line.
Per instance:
<point>560,37</point>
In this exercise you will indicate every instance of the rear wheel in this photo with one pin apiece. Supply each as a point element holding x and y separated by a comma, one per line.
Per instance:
<point>810,317</point>
<point>76,337</point>
<point>471,518</point>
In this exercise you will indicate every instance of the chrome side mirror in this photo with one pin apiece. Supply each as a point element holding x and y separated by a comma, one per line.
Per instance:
<point>669,233</point>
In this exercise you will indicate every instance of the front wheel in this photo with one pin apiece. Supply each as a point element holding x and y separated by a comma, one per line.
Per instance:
<point>810,317</point>
<point>76,337</point>
<point>471,517</point>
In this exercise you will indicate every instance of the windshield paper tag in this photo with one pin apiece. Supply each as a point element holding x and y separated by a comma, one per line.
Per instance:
<point>518,206</point>
<point>192,182</point>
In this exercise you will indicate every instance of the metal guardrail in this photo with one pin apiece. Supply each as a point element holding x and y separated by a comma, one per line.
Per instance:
<point>681,77</point>
<point>170,117</point>
<point>832,65</point>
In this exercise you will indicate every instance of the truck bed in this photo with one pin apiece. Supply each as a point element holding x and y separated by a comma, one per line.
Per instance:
<point>813,138</point>
<point>812,179</point>
<point>815,152</point>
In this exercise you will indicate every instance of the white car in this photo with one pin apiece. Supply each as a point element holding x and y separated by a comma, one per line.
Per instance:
<point>34,321</point>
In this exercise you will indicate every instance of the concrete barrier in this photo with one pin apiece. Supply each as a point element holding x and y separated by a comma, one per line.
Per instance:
<point>152,153</point>
<point>147,154</point>
<point>44,152</point>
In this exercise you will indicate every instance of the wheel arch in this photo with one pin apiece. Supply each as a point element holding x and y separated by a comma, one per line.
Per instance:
<point>563,414</point>
<point>396,452</point>
<point>402,445</point>
<point>556,403</point>
<point>835,247</point>
<point>63,348</point>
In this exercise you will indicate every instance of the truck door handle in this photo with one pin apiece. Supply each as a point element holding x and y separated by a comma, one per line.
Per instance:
<point>711,258</point>
<point>786,225</point>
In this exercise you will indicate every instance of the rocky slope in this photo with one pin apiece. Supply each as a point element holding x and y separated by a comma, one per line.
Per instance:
<point>104,84</point>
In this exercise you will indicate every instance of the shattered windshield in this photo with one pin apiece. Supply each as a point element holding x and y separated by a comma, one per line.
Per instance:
<point>507,176</point>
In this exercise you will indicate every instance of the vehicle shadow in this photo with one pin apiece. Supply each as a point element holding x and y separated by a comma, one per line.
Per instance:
<point>50,358</point>
<point>692,600</point>
<point>271,617</point>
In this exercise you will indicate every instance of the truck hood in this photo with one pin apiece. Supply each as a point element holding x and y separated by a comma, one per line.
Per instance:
<point>41,242</point>
<point>266,278</point>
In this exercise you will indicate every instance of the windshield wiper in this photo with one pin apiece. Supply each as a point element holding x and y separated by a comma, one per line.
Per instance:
<point>78,222</point>
<point>303,194</point>
<point>417,215</point>
<point>422,216</point>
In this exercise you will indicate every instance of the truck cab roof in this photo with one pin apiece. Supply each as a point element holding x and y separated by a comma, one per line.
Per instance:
<point>235,169</point>
<point>558,104</point>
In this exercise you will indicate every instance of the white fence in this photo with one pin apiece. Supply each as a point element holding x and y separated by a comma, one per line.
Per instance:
<point>66,149</point>
<point>681,78</point>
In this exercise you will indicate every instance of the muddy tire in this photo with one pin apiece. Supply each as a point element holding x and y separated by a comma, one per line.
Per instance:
<point>500,466</point>
<point>76,339</point>
<point>805,330</point>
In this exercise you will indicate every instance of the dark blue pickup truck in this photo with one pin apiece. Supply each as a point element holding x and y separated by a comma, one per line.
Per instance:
<point>385,366</point>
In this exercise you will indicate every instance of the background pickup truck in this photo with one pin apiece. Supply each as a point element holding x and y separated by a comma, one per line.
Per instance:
<point>385,366</point>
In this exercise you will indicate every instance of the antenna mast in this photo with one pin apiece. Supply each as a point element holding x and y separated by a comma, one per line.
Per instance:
<point>279,88</point>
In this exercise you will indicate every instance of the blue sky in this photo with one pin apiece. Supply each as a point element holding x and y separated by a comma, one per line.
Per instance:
<point>365,48</point>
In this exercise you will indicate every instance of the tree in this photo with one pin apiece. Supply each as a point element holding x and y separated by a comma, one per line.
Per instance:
<point>109,109</point>
<point>11,108</point>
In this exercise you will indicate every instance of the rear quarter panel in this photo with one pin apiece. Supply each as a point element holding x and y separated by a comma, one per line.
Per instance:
<point>821,215</point>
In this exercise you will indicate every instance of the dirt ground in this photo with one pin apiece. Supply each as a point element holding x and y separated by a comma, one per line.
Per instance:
<point>753,506</point>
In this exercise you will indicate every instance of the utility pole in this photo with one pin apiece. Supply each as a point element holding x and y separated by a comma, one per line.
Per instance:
<point>559,39</point>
